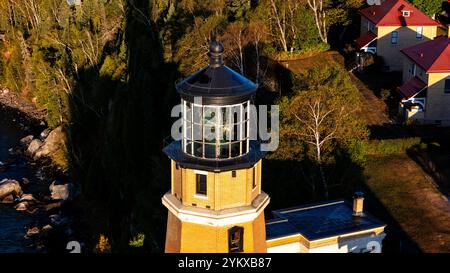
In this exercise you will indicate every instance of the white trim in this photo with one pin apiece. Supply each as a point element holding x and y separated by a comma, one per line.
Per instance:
<point>200,172</point>
<point>211,217</point>
<point>201,196</point>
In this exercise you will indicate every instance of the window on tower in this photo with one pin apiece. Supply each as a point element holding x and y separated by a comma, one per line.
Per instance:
<point>236,239</point>
<point>201,185</point>
<point>254,177</point>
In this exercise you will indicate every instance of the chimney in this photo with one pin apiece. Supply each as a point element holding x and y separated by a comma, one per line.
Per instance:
<point>358,204</point>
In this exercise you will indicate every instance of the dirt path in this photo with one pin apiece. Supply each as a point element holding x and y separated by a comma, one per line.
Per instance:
<point>411,197</point>
<point>374,109</point>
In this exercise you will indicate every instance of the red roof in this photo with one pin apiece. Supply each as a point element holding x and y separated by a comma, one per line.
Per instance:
<point>389,13</point>
<point>433,56</point>
<point>411,87</point>
<point>365,39</point>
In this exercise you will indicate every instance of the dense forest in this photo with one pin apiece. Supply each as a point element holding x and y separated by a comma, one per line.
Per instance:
<point>105,71</point>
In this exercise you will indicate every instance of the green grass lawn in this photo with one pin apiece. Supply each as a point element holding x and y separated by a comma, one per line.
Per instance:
<point>410,197</point>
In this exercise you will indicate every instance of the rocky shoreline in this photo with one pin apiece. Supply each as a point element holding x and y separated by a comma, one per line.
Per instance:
<point>38,150</point>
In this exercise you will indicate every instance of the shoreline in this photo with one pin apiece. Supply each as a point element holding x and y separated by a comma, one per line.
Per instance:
<point>32,122</point>
<point>29,118</point>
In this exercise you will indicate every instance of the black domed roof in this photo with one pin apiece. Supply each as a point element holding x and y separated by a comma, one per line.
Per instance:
<point>216,83</point>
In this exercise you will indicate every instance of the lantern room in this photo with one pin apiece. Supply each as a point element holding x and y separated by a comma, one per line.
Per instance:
<point>216,118</point>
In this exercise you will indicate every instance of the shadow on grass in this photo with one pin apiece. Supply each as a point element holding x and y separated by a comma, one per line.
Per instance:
<point>288,184</point>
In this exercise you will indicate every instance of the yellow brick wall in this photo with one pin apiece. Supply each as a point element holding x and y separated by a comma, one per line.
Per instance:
<point>173,234</point>
<point>215,239</point>
<point>406,37</point>
<point>438,103</point>
<point>223,190</point>
<point>407,73</point>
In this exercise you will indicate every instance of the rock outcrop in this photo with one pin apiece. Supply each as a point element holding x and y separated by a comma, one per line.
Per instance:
<point>54,142</point>
<point>34,146</point>
<point>10,188</point>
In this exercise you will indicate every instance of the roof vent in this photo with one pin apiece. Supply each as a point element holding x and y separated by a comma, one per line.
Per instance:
<point>358,204</point>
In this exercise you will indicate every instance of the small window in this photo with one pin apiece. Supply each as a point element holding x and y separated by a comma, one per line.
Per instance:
<point>413,70</point>
<point>236,239</point>
<point>254,177</point>
<point>419,32</point>
<point>406,13</point>
<point>201,184</point>
<point>394,37</point>
<point>233,173</point>
<point>177,166</point>
<point>447,86</point>
<point>369,25</point>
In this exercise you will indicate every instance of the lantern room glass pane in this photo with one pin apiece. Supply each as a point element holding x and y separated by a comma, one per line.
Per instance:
<point>218,132</point>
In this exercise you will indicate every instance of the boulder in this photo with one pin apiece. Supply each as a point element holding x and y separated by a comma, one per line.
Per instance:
<point>34,146</point>
<point>53,206</point>
<point>22,206</point>
<point>9,199</point>
<point>60,192</point>
<point>33,231</point>
<point>47,228</point>
<point>25,141</point>
<point>45,133</point>
<point>55,141</point>
<point>26,206</point>
<point>10,187</point>
<point>27,197</point>
<point>25,181</point>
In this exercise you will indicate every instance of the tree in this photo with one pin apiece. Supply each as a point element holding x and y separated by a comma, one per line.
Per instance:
<point>235,39</point>
<point>193,47</point>
<point>430,7</point>
<point>237,9</point>
<point>257,34</point>
<point>318,8</point>
<point>319,118</point>
<point>283,22</point>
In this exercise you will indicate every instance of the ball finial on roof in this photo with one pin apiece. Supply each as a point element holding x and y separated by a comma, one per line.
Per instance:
<point>215,53</point>
<point>216,47</point>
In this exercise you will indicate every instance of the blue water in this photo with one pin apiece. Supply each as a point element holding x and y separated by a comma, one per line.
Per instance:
<point>13,224</point>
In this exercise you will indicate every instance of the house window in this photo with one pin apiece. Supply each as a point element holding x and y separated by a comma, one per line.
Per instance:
<point>447,86</point>
<point>406,13</point>
<point>201,184</point>
<point>413,70</point>
<point>233,173</point>
<point>236,239</point>
<point>254,177</point>
<point>394,37</point>
<point>419,32</point>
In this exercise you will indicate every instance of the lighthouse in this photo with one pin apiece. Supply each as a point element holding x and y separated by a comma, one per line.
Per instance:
<point>215,203</point>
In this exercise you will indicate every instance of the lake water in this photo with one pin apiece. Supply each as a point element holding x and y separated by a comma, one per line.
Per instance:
<point>13,224</point>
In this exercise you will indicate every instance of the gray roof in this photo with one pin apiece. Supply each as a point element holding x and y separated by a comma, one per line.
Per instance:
<point>319,221</point>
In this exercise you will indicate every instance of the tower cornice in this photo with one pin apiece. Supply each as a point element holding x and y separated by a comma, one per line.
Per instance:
<point>216,218</point>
